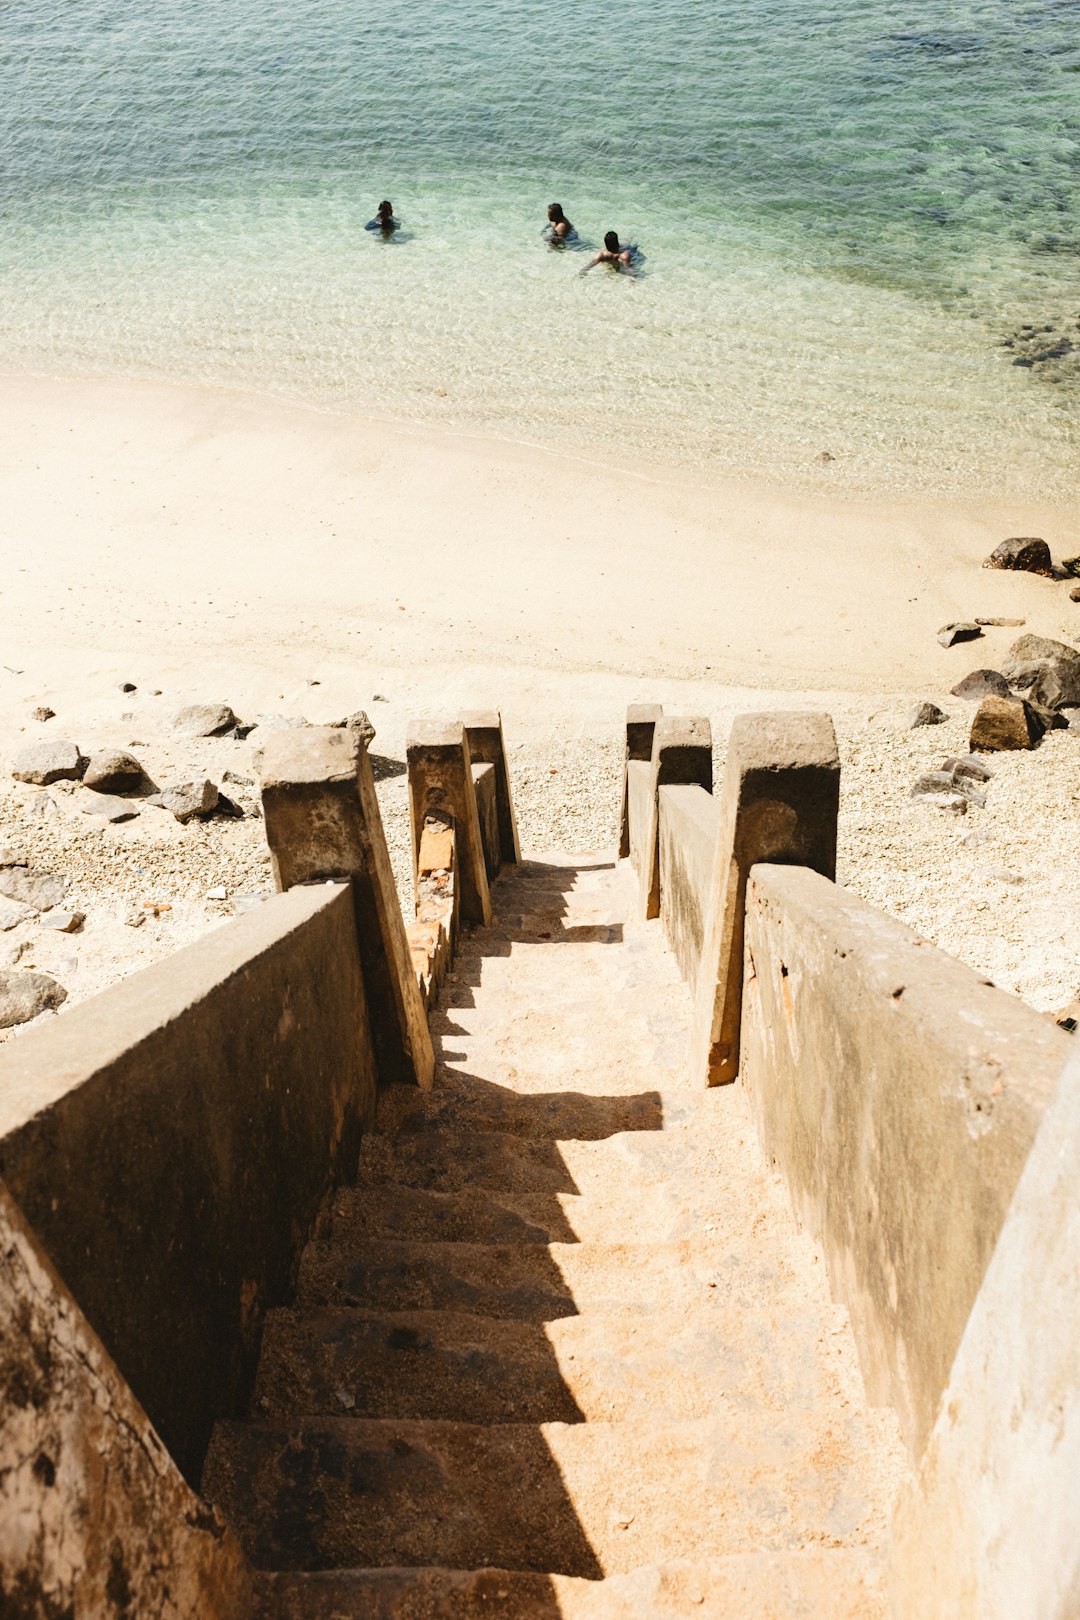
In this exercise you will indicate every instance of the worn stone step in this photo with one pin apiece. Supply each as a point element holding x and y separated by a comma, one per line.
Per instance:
<point>831,1584</point>
<point>532,1282</point>
<point>483,1215</point>
<point>584,1499</point>
<point>475,1369</point>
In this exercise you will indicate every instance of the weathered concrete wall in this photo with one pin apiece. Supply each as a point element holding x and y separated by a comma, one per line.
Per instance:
<point>96,1522</point>
<point>899,1095</point>
<point>689,827</point>
<point>172,1140</point>
<point>639,811</point>
<point>487,811</point>
<point>988,1530</point>
<point>682,754</point>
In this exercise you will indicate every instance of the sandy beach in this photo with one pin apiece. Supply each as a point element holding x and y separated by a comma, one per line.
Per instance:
<point>203,545</point>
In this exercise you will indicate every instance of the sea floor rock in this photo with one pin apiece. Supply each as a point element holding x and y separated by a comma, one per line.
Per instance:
<point>1026,554</point>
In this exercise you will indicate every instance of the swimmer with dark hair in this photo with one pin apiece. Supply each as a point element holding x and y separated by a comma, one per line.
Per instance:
<point>384,221</point>
<point>558,227</point>
<point>620,255</point>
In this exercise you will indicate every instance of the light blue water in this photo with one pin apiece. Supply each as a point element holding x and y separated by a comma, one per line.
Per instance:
<point>846,212</point>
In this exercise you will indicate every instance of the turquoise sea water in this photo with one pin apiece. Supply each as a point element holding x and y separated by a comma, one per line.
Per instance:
<point>848,213</point>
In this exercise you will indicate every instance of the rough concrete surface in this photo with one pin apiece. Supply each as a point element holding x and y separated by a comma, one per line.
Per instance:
<point>441,782</point>
<point>899,1096</point>
<point>172,1142</point>
<point>95,1519</point>
<point>689,826</point>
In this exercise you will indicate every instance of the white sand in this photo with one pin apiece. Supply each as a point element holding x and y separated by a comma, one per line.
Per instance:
<point>214,546</point>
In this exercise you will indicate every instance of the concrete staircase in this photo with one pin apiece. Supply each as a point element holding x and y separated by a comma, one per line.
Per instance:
<point>561,1350</point>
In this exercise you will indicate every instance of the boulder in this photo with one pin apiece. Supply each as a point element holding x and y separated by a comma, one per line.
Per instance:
<point>979,684</point>
<point>12,913</point>
<point>113,772</point>
<point>925,714</point>
<point>1025,553</point>
<point>46,762</point>
<point>109,806</point>
<point>955,803</point>
<point>187,799</point>
<point>38,889</point>
<point>1002,723</point>
<point>1049,671</point>
<point>24,995</point>
<point>204,719</point>
<point>961,631</point>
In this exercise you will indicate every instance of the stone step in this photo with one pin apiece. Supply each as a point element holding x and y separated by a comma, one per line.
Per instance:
<point>587,1499</point>
<point>468,1103</point>
<point>832,1584</point>
<point>484,1215</point>
<point>475,1369</point>
<point>532,1282</point>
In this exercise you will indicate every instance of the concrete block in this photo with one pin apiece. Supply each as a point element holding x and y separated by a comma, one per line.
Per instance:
<point>689,823</point>
<point>779,802</point>
<point>441,783</point>
<point>323,822</point>
<point>172,1141</point>
<point>988,1529</point>
<point>682,754</point>
<point>898,1094</point>
<point>641,720</point>
<point>483,729</point>
<point>487,810</point>
<point>96,1518</point>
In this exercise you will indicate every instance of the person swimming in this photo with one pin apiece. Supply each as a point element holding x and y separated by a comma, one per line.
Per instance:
<point>384,221</point>
<point>558,227</point>
<point>620,255</point>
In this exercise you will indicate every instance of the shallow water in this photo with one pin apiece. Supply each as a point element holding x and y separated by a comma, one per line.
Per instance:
<point>846,215</point>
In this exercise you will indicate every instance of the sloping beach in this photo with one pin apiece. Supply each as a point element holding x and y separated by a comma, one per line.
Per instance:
<point>203,545</point>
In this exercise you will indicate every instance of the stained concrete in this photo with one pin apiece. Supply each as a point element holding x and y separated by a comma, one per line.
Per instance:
<point>487,810</point>
<point>899,1095</point>
<point>988,1530</point>
<point>441,783</point>
<point>689,827</point>
<point>173,1139</point>
<point>484,734</point>
<point>779,801</point>
<point>682,753</point>
<point>95,1519</point>
<point>323,822</point>
<point>641,721</point>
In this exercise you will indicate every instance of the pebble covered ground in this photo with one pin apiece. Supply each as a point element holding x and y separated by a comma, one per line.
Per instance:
<point>999,887</point>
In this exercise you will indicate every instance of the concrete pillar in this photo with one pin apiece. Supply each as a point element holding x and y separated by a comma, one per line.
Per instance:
<point>483,729</point>
<point>641,718</point>
<point>441,783</point>
<point>682,755</point>
<point>323,822</point>
<point>779,802</point>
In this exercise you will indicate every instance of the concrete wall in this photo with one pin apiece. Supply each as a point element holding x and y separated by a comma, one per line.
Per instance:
<point>689,828</point>
<point>988,1530</point>
<point>640,789</point>
<point>172,1140</point>
<point>899,1095</point>
<point>96,1522</point>
<point>487,811</point>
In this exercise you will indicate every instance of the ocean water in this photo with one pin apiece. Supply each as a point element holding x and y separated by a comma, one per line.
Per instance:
<point>860,224</point>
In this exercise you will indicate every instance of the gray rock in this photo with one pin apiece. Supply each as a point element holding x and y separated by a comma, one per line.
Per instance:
<point>45,807</point>
<point>135,919</point>
<point>1049,671</point>
<point>280,722</point>
<point>204,719</point>
<point>236,780</point>
<point>938,782</point>
<point>42,890</point>
<point>228,807</point>
<point>109,806</point>
<point>12,913</point>
<point>46,762</point>
<point>955,803</point>
<point>925,714</point>
<point>65,922</point>
<point>1025,553</point>
<point>1001,624</point>
<point>219,893</point>
<point>24,995</point>
<point>113,772</point>
<point>967,765</point>
<point>361,728</point>
<point>187,799</point>
<point>979,684</point>
<point>962,631</point>
<point>43,713</point>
